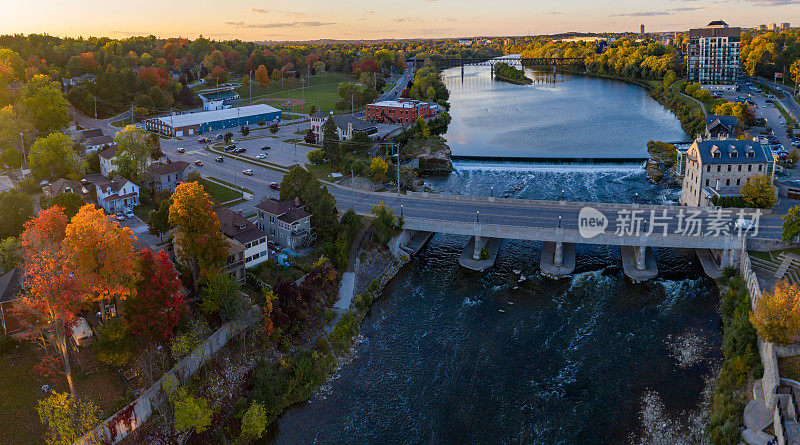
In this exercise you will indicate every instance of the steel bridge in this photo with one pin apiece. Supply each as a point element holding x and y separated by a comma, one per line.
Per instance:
<point>449,62</point>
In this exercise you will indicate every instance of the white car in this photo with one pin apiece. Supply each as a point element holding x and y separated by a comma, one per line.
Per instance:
<point>261,156</point>
<point>248,172</point>
<point>128,212</point>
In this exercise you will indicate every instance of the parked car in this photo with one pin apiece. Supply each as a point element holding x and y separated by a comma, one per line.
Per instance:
<point>274,185</point>
<point>261,156</point>
<point>198,163</point>
<point>120,216</point>
<point>86,182</point>
<point>218,159</point>
<point>127,212</point>
<point>266,147</point>
<point>230,147</point>
<point>783,156</point>
<point>248,172</point>
<point>181,150</point>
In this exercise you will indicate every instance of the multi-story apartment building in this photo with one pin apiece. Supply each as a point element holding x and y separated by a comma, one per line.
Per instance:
<point>714,55</point>
<point>719,168</point>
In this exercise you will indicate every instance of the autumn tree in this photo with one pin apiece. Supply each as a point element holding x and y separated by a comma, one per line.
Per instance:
<point>53,297</point>
<point>158,220</point>
<point>11,67</point>
<point>198,241</point>
<point>791,224</point>
<point>44,103</point>
<point>133,151</point>
<point>66,418</point>
<point>156,308</point>
<point>101,253</point>
<point>261,76</point>
<point>52,157</point>
<point>776,315</point>
<point>758,192</point>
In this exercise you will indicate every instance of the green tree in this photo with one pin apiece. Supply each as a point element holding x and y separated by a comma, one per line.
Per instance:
<point>70,203</point>
<point>11,125</point>
<point>16,207</point>
<point>385,224</point>
<point>294,183</point>
<point>10,254</point>
<point>360,143</point>
<point>274,128</point>
<point>44,103</point>
<point>791,224</point>
<point>222,295</point>
<point>154,146</point>
<point>93,162</point>
<point>158,220</point>
<point>52,157</point>
<point>191,412</point>
<point>330,142</point>
<point>378,169</point>
<point>133,151</point>
<point>114,345</point>
<point>254,422</point>
<point>65,418</point>
<point>316,156</point>
<point>758,192</point>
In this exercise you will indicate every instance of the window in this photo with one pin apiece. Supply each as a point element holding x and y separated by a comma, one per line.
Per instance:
<point>729,167</point>
<point>708,168</point>
<point>749,168</point>
<point>759,167</point>
<point>740,168</point>
<point>727,182</point>
<point>719,168</point>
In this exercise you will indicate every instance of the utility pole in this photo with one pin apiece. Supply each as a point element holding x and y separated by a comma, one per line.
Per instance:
<point>250,84</point>
<point>22,149</point>
<point>352,189</point>
<point>132,121</point>
<point>397,148</point>
<point>95,107</point>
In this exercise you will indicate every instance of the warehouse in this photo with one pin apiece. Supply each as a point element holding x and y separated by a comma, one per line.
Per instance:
<point>205,121</point>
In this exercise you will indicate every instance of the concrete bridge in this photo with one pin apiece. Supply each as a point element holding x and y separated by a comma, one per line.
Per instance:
<point>560,225</point>
<point>449,62</point>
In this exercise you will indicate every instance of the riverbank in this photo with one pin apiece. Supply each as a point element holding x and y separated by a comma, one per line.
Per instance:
<point>525,81</point>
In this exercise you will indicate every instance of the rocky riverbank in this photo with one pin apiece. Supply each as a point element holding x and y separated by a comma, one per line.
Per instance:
<point>660,167</point>
<point>433,154</point>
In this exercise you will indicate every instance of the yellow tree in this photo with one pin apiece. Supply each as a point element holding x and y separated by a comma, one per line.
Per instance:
<point>101,253</point>
<point>262,76</point>
<point>776,315</point>
<point>198,241</point>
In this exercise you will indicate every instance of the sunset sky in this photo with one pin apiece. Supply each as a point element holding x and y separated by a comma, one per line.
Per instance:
<point>351,19</point>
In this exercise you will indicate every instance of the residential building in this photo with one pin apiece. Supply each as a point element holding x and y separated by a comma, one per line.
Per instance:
<point>203,121</point>
<point>762,27</point>
<point>785,25</point>
<point>82,135</point>
<point>287,223</point>
<point>234,263</point>
<point>717,168</point>
<point>720,127</point>
<point>346,126</point>
<point>67,186</point>
<point>117,193</point>
<point>402,111</point>
<point>772,26</point>
<point>98,143</point>
<point>10,288</point>
<point>167,176</point>
<point>714,55</point>
<point>107,160</point>
<point>641,29</point>
<point>237,227</point>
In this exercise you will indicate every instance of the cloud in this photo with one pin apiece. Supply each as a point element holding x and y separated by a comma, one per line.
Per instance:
<point>258,10</point>
<point>641,14</point>
<point>688,8</point>
<point>774,2</point>
<point>550,13</point>
<point>279,25</point>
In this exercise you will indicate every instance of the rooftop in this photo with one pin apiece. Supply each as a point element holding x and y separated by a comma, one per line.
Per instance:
<point>185,120</point>
<point>713,120</point>
<point>286,211</point>
<point>108,153</point>
<point>398,104</point>
<point>172,167</point>
<point>236,226</point>
<point>729,151</point>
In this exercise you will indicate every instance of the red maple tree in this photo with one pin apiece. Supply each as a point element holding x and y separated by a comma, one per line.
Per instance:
<point>158,305</point>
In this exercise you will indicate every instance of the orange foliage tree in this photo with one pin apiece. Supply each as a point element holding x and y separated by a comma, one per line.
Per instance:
<point>262,76</point>
<point>776,315</point>
<point>198,241</point>
<point>101,254</point>
<point>53,297</point>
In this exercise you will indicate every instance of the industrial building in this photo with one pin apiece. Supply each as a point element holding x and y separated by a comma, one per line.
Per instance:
<point>205,121</point>
<point>402,111</point>
<point>714,56</point>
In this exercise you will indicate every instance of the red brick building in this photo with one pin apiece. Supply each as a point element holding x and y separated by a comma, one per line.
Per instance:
<point>403,111</point>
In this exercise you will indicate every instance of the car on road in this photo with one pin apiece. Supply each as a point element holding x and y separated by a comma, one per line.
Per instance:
<point>274,185</point>
<point>764,106</point>
<point>220,136</point>
<point>230,147</point>
<point>219,159</point>
<point>261,156</point>
<point>181,150</point>
<point>266,147</point>
<point>127,212</point>
<point>198,163</point>
<point>248,172</point>
<point>240,150</point>
<point>745,224</point>
<point>203,140</point>
<point>783,122</point>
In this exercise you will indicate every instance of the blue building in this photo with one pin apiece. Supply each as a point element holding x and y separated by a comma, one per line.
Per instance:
<point>205,121</point>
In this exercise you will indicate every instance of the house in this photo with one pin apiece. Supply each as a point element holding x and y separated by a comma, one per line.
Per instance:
<point>237,227</point>
<point>98,142</point>
<point>117,193</point>
<point>82,135</point>
<point>234,263</point>
<point>67,186</point>
<point>346,126</point>
<point>720,127</point>
<point>287,223</point>
<point>168,176</point>
<point>107,160</point>
<point>10,286</point>
<point>719,168</point>
<point>401,111</point>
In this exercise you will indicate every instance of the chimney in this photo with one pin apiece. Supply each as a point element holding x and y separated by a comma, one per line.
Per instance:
<point>297,201</point>
<point>240,213</point>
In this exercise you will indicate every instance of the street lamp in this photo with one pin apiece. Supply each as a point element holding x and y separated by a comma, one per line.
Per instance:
<point>401,210</point>
<point>477,216</point>
<point>559,221</point>
<point>491,191</point>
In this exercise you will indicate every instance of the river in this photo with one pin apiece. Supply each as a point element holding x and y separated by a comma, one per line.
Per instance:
<point>450,356</point>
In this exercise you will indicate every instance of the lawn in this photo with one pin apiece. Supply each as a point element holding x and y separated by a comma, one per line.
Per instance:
<point>322,91</point>
<point>783,112</point>
<point>220,193</point>
<point>20,392</point>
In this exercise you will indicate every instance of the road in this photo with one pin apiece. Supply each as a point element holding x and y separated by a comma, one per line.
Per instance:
<point>791,105</point>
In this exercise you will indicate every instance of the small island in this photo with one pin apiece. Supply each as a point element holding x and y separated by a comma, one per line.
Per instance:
<point>507,73</point>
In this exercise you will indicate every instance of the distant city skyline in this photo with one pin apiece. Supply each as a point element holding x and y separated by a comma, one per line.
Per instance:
<point>378,19</point>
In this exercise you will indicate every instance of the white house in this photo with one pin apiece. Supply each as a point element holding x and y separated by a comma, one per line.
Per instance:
<point>98,142</point>
<point>107,160</point>
<point>237,227</point>
<point>116,193</point>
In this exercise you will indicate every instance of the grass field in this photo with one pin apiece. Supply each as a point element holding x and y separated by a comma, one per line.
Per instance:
<point>220,193</point>
<point>321,90</point>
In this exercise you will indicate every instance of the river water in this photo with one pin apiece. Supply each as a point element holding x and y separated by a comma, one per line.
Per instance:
<point>450,356</point>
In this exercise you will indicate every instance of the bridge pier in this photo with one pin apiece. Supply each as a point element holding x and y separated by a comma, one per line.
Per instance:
<point>639,263</point>
<point>710,262</point>
<point>558,259</point>
<point>471,256</point>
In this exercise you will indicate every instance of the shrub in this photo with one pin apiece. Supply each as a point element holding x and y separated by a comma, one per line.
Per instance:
<point>190,411</point>
<point>343,333</point>
<point>316,156</point>
<point>185,343</point>
<point>114,345</point>
<point>254,422</point>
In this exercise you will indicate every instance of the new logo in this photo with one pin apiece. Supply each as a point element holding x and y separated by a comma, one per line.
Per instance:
<point>591,222</point>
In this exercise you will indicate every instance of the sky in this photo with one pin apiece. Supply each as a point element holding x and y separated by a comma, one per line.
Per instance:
<point>376,19</point>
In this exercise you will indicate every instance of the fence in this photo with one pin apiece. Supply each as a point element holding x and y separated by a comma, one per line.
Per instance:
<point>126,420</point>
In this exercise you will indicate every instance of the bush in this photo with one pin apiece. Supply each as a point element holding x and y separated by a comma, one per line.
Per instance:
<point>7,343</point>
<point>185,343</point>
<point>343,333</point>
<point>316,156</point>
<point>254,422</point>
<point>114,345</point>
